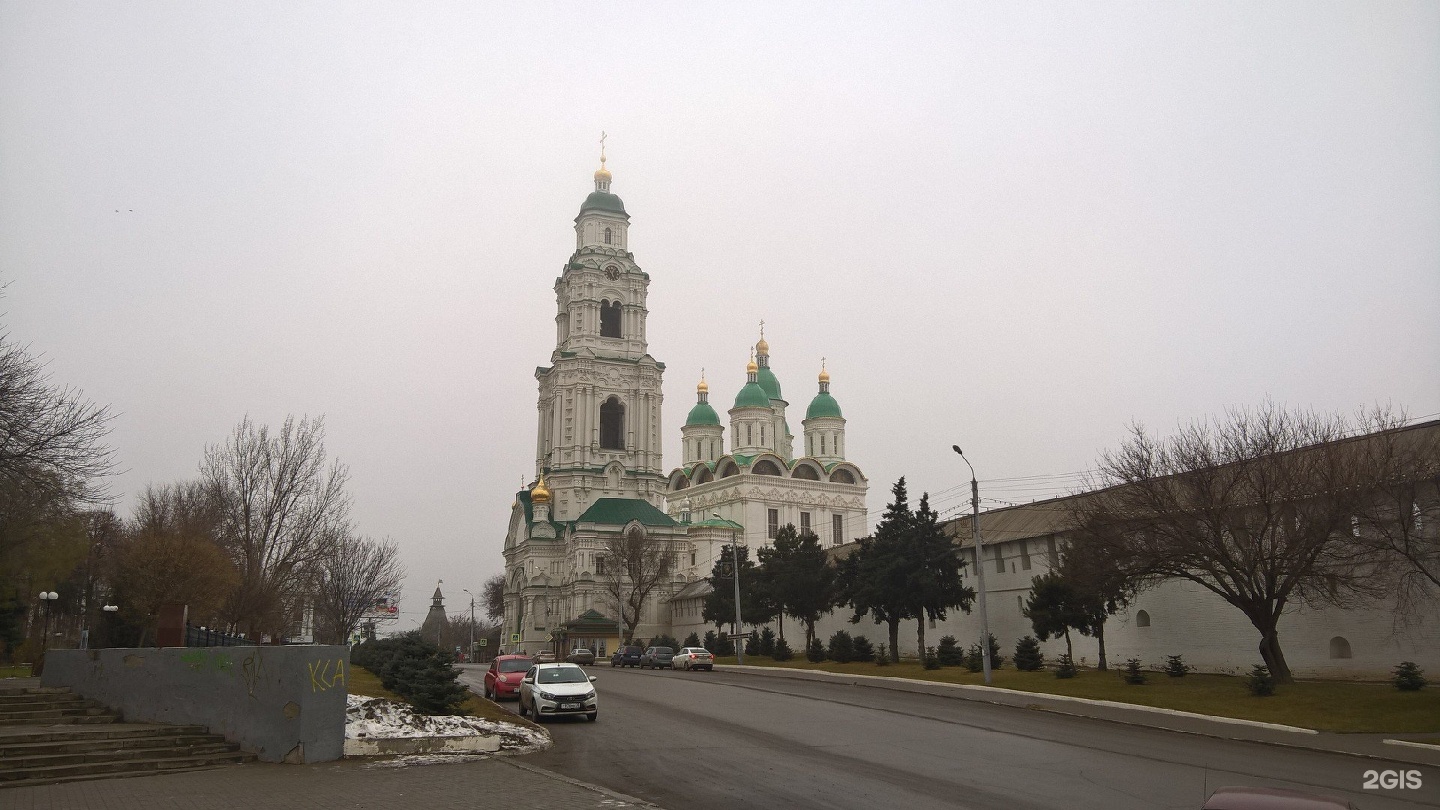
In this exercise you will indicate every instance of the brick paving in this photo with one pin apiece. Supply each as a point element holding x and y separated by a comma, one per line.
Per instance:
<point>470,783</point>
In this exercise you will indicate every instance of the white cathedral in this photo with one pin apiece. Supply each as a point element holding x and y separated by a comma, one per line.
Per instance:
<point>599,470</point>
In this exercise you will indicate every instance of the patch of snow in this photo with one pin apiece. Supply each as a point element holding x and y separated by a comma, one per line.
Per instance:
<point>378,718</point>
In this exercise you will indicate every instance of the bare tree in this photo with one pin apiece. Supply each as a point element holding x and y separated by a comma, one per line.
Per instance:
<point>1401,518</point>
<point>169,553</point>
<point>1255,507</point>
<point>353,576</point>
<point>634,566</point>
<point>493,593</point>
<point>282,509</point>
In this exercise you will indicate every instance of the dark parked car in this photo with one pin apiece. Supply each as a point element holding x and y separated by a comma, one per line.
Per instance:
<point>580,655</point>
<point>657,657</point>
<point>626,657</point>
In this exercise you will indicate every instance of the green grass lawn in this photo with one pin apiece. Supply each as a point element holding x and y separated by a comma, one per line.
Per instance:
<point>364,682</point>
<point>1322,705</point>
<point>21,671</point>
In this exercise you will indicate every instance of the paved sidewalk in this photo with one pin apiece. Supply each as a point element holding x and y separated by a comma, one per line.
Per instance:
<point>1364,745</point>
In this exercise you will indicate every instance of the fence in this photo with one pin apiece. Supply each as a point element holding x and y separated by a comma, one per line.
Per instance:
<point>205,637</point>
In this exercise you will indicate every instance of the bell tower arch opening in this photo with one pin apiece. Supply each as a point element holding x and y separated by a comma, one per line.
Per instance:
<point>612,424</point>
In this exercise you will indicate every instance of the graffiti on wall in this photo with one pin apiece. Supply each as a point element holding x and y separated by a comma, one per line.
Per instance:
<point>207,660</point>
<point>325,674</point>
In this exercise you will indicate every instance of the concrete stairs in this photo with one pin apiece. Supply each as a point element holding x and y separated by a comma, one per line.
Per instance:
<point>51,735</point>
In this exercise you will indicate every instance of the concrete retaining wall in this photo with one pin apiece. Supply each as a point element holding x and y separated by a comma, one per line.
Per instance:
<point>285,704</point>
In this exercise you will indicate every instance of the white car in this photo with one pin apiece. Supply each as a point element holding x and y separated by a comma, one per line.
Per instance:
<point>693,658</point>
<point>552,690</point>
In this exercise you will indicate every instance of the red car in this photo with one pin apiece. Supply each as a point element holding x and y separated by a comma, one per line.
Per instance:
<point>502,679</point>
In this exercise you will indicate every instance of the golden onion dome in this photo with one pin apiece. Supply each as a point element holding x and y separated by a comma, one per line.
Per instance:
<point>751,367</point>
<point>762,347</point>
<point>602,173</point>
<point>703,387</point>
<point>824,375</point>
<point>540,494</point>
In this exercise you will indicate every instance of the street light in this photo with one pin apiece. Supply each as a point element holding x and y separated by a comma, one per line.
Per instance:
<point>470,653</point>
<point>46,597</point>
<point>735,555</point>
<point>979,565</point>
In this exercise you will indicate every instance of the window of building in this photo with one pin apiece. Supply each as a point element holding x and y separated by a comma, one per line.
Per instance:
<point>610,319</point>
<point>748,437</point>
<point>1020,604</point>
<point>804,522</point>
<point>612,425</point>
<point>842,477</point>
<point>608,236</point>
<point>837,529</point>
<point>555,568</point>
<point>762,434</point>
<point>1052,552</point>
<point>692,558</point>
<point>1024,556</point>
<point>772,523</point>
<point>999,560</point>
<point>822,444</point>
<point>765,467</point>
<point>1142,619</point>
<point>599,565</point>
<point>1339,647</point>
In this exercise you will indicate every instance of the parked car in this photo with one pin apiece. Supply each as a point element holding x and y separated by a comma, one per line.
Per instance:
<point>657,657</point>
<point>503,677</point>
<point>580,655</point>
<point>693,658</point>
<point>1258,798</point>
<point>554,690</point>
<point>628,656</point>
<point>545,657</point>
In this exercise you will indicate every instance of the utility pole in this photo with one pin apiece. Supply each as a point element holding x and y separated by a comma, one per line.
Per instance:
<point>470,653</point>
<point>735,555</point>
<point>979,564</point>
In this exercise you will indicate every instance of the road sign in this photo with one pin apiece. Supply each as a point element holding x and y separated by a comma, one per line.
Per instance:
<point>736,636</point>
<point>483,642</point>
<point>514,638</point>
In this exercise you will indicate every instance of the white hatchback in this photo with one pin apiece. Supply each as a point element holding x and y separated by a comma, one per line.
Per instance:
<point>551,690</point>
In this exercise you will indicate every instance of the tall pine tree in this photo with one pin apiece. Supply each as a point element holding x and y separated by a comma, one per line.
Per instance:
<point>799,577</point>
<point>934,570</point>
<point>875,579</point>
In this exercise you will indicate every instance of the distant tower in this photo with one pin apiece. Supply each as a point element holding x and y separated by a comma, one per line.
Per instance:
<point>703,437</point>
<point>824,426</point>
<point>752,422</point>
<point>435,621</point>
<point>771,385</point>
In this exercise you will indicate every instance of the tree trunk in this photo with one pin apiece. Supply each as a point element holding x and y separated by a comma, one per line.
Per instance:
<point>1069,650</point>
<point>1100,639</point>
<point>809,633</point>
<point>920,638</point>
<point>1274,656</point>
<point>780,624</point>
<point>895,640</point>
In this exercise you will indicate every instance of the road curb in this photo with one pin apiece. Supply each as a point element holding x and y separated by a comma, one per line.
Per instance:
<point>559,777</point>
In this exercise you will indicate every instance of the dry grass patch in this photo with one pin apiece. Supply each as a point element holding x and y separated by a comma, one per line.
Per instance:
<point>1345,706</point>
<point>17,671</point>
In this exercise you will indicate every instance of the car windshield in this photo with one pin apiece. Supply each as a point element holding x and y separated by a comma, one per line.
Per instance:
<point>515,665</point>
<point>563,675</point>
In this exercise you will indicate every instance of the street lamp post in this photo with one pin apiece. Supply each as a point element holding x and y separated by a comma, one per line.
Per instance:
<point>470,653</point>
<point>735,555</point>
<point>979,564</point>
<point>47,597</point>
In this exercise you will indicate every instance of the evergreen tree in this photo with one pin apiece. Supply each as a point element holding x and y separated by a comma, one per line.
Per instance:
<point>864,650</point>
<point>841,648</point>
<point>692,640</point>
<point>1028,657</point>
<point>882,656</point>
<point>752,644</point>
<point>933,575</point>
<point>799,577</point>
<point>723,646</point>
<point>416,670</point>
<point>875,579</point>
<point>1053,608</point>
<point>1260,683</point>
<point>709,643</point>
<point>782,651</point>
<point>1175,666</point>
<point>1065,668</point>
<point>756,606</point>
<point>949,652</point>
<point>767,642</point>
<point>1409,677</point>
<point>815,652</point>
<point>930,660</point>
<point>1133,674</point>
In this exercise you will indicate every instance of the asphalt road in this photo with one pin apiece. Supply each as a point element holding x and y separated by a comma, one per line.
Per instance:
<point>718,740</point>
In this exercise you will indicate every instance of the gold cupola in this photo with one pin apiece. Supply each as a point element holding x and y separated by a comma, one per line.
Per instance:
<point>540,494</point>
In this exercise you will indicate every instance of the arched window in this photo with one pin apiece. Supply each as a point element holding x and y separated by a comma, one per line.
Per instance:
<point>806,472</point>
<point>610,319</point>
<point>842,477</point>
<point>607,236</point>
<point>612,425</point>
<point>1339,647</point>
<point>1142,619</point>
<point>765,468</point>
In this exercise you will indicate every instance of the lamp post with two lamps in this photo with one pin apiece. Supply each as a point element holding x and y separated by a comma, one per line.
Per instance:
<point>979,566</point>
<point>47,598</point>
<point>735,555</point>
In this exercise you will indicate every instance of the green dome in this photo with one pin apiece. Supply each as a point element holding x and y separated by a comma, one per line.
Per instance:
<point>767,381</point>
<point>702,414</point>
<point>752,396</point>
<point>822,405</point>
<point>603,201</point>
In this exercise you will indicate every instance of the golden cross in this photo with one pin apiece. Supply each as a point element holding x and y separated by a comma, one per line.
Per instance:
<point>602,146</point>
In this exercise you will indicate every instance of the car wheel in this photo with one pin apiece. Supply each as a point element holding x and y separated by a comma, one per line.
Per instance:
<point>592,716</point>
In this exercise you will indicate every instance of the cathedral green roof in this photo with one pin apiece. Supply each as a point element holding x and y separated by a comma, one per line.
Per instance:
<point>619,511</point>
<point>603,201</point>
<point>751,396</point>
<point>769,382</point>
<point>822,405</point>
<point>702,414</point>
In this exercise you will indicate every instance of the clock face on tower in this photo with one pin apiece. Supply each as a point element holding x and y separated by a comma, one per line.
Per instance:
<point>612,272</point>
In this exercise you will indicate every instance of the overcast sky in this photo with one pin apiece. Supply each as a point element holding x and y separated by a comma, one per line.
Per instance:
<point>1012,227</point>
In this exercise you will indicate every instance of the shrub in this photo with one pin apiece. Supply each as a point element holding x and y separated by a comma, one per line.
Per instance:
<point>782,651</point>
<point>841,648</point>
<point>931,659</point>
<point>414,669</point>
<point>975,658</point>
<point>664,640</point>
<point>864,650</point>
<point>882,656</point>
<point>949,652</point>
<point>752,644</point>
<point>816,651</point>
<point>692,640</point>
<point>1260,683</point>
<point>996,659</point>
<point>1176,667</point>
<point>1028,657</point>
<point>1065,668</point>
<point>767,642</point>
<point>709,643</point>
<point>723,646</point>
<point>1132,673</point>
<point>1409,677</point>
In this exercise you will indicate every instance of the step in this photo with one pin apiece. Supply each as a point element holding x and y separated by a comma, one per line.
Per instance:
<point>24,766</point>
<point>90,777</point>
<point>13,701</point>
<point>118,731</point>
<point>60,720</point>
<point>15,750</point>
<point>65,711</point>
<point>135,767</point>
<point>34,690</point>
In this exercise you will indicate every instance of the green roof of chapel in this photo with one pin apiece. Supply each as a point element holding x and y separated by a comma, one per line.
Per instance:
<point>752,396</point>
<point>822,405</point>
<point>769,382</point>
<point>702,414</point>
<point>603,201</point>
